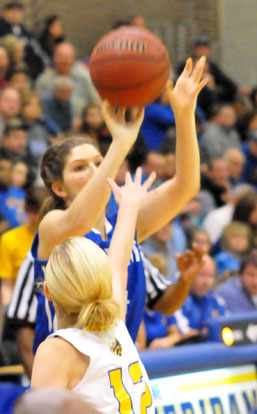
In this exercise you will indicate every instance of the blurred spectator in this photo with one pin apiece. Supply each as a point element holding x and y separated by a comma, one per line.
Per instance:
<point>14,143</point>
<point>247,123</point>
<point>11,23</point>
<point>246,212</point>
<point>235,243</point>
<point>166,244</point>
<point>253,97</point>
<point>235,161</point>
<point>240,292</point>
<point>215,187</point>
<point>19,80</point>
<point>4,65</point>
<point>219,218</point>
<point>20,174</point>
<point>5,182</point>
<point>161,330</point>
<point>52,34</point>
<point>10,106</point>
<point>202,303</point>
<point>15,50</point>
<point>199,237</point>
<point>155,161</point>
<point>227,88</point>
<point>11,198</point>
<point>83,91</point>
<point>57,105</point>
<point>16,243</point>
<point>250,151</point>
<point>137,20</point>
<point>39,128</point>
<point>220,134</point>
<point>158,118</point>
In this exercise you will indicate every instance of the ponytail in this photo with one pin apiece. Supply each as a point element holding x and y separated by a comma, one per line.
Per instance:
<point>99,315</point>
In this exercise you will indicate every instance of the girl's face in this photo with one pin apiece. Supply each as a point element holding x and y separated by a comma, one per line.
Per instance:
<point>56,29</point>
<point>94,117</point>
<point>80,166</point>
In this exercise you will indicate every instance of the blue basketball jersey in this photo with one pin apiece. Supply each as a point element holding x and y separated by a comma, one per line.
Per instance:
<point>136,289</point>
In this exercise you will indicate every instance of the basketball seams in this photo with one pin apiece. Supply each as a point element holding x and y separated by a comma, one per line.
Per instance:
<point>102,87</point>
<point>108,59</point>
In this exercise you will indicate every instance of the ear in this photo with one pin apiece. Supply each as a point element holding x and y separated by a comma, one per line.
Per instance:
<point>59,189</point>
<point>47,293</point>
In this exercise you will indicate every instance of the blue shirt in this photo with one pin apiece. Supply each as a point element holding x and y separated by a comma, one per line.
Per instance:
<point>12,206</point>
<point>249,174</point>
<point>157,325</point>
<point>237,299</point>
<point>226,262</point>
<point>46,321</point>
<point>197,310</point>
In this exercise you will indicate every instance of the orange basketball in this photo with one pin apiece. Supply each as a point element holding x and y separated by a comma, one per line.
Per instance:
<point>130,66</point>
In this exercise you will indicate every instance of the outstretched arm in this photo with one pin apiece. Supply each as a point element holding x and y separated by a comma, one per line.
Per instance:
<point>189,264</point>
<point>165,202</point>
<point>129,199</point>
<point>89,204</point>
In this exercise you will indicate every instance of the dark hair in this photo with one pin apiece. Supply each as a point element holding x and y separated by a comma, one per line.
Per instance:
<point>253,98</point>
<point>13,5</point>
<point>52,166</point>
<point>251,258</point>
<point>201,40</point>
<point>35,197</point>
<point>244,208</point>
<point>243,123</point>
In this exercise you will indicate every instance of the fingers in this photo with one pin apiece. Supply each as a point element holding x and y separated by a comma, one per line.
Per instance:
<point>198,70</point>
<point>188,68</point>
<point>138,176</point>
<point>149,181</point>
<point>128,179</point>
<point>114,187</point>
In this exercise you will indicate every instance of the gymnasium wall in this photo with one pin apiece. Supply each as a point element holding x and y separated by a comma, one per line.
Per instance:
<point>230,25</point>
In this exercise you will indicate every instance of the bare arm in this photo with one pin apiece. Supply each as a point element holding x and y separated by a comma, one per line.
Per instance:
<point>129,198</point>
<point>7,286</point>
<point>89,204</point>
<point>25,337</point>
<point>189,264</point>
<point>166,201</point>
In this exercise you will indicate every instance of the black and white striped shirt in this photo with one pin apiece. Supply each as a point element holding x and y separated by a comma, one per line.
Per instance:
<point>23,306</point>
<point>22,309</point>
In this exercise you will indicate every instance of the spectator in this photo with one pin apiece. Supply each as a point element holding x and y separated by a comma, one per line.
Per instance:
<point>137,20</point>
<point>4,64</point>
<point>164,243</point>
<point>215,188</point>
<point>15,50</point>
<point>14,142</point>
<point>246,212</point>
<point>202,303</point>
<point>220,134</point>
<point>83,91</point>
<point>155,161</point>
<point>240,292</point>
<point>16,243</point>
<point>5,182</point>
<point>39,128</point>
<point>161,330</point>
<point>52,35</point>
<point>199,237</point>
<point>215,222</point>
<point>20,174</point>
<point>19,80</point>
<point>247,123</point>
<point>235,243</point>
<point>11,23</point>
<point>92,124</point>
<point>57,105</point>
<point>235,161</point>
<point>253,97</point>
<point>10,106</point>
<point>227,88</point>
<point>250,151</point>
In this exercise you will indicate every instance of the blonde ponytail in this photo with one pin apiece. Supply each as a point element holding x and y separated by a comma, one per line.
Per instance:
<point>79,278</point>
<point>99,315</point>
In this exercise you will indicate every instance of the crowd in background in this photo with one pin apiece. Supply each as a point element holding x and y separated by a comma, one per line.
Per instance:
<point>46,95</point>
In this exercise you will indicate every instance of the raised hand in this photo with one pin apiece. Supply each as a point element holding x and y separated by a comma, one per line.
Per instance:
<point>190,263</point>
<point>183,95</point>
<point>119,128</point>
<point>132,191</point>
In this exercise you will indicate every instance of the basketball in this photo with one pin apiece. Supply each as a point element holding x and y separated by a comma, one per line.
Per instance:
<point>130,66</point>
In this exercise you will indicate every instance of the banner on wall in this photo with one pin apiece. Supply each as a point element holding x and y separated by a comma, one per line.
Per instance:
<point>217,391</point>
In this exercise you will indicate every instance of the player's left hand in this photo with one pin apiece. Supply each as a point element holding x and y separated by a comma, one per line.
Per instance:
<point>183,95</point>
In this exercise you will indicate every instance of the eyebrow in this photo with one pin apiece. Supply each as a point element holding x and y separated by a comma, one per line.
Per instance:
<point>98,156</point>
